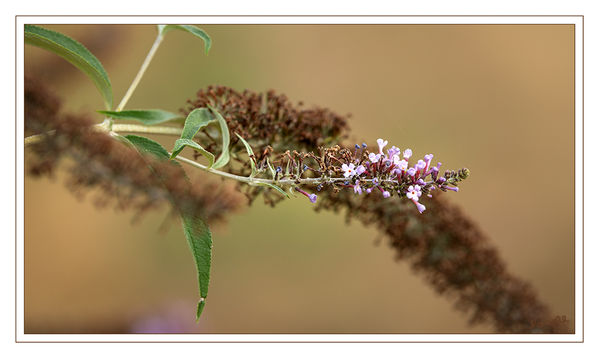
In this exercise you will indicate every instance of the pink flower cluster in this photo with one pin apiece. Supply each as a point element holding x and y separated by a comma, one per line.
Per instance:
<point>390,172</point>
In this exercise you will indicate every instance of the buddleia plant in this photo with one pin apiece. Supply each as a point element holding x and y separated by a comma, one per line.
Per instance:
<point>274,149</point>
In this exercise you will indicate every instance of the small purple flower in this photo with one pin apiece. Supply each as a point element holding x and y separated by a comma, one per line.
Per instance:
<point>386,194</point>
<point>360,169</point>
<point>382,143</point>
<point>407,154</point>
<point>411,172</point>
<point>434,173</point>
<point>452,188</point>
<point>402,164</point>
<point>414,192</point>
<point>374,157</point>
<point>357,188</point>
<point>420,182</point>
<point>427,159</point>
<point>393,151</point>
<point>420,165</point>
<point>368,190</point>
<point>349,170</point>
<point>312,197</point>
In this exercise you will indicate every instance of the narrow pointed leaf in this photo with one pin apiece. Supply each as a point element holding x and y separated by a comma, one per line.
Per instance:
<point>147,146</point>
<point>224,157</point>
<point>75,53</point>
<point>197,233</point>
<point>250,153</point>
<point>270,168</point>
<point>275,188</point>
<point>199,240</point>
<point>147,116</point>
<point>194,30</point>
<point>201,304</point>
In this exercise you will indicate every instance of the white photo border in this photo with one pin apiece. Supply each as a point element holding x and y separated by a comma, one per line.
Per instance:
<point>576,20</point>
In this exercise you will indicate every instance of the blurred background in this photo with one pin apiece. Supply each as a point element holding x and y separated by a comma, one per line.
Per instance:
<point>498,99</point>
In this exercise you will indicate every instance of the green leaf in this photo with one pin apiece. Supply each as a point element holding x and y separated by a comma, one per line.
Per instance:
<point>147,116</point>
<point>196,120</point>
<point>75,53</point>
<point>182,143</point>
<point>201,304</point>
<point>270,168</point>
<point>199,240</point>
<point>250,154</point>
<point>275,188</point>
<point>194,30</point>
<point>147,146</point>
<point>195,229</point>
<point>223,159</point>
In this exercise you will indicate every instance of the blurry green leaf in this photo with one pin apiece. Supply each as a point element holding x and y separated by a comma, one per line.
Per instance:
<point>148,116</point>
<point>195,229</point>
<point>199,240</point>
<point>75,53</point>
<point>196,120</point>
<point>201,304</point>
<point>223,159</point>
<point>275,188</point>
<point>270,168</point>
<point>250,154</point>
<point>147,146</point>
<point>194,30</point>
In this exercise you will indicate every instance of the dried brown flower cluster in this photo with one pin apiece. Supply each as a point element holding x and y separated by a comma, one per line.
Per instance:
<point>126,179</point>
<point>270,119</point>
<point>271,124</point>
<point>444,245</point>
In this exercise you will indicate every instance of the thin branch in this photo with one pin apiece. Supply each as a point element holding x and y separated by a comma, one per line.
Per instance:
<point>255,181</point>
<point>141,72</point>
<point>138,128</point>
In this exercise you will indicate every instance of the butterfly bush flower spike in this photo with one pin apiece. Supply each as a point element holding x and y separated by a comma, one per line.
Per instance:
<point>392,172</point>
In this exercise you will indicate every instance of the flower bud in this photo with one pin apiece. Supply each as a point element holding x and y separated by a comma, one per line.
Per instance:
<point>463,173</point>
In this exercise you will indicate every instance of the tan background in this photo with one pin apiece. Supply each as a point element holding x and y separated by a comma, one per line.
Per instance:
<point>497,99</point>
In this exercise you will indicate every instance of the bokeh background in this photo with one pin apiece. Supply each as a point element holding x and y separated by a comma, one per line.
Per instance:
<point>498,99</point>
